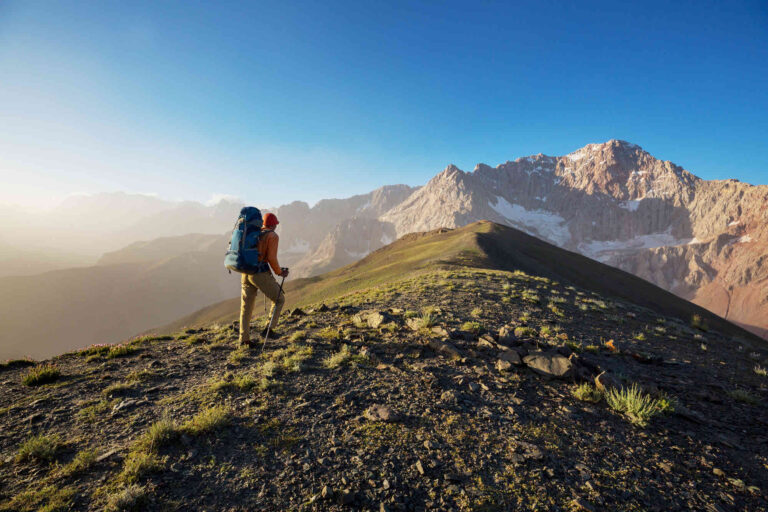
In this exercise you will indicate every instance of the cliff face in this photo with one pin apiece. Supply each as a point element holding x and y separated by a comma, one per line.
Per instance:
<point>706,241</point>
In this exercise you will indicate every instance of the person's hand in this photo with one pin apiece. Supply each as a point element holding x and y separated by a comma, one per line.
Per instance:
<point>284,272</point>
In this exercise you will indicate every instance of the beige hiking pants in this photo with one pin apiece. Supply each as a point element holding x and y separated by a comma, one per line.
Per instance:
<point>251,284</point>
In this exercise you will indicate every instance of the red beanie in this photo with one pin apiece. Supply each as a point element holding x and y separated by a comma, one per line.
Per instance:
<point>270,220</point>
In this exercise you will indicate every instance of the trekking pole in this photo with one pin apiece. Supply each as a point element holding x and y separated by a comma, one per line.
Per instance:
<point>274,309</point>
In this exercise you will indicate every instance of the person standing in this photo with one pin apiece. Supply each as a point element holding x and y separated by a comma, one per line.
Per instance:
<point>264,281</point>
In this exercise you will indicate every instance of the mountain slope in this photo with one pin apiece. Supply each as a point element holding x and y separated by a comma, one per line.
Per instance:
<point>705,241</point>
<point>478,245</point>
<point>432,379</point>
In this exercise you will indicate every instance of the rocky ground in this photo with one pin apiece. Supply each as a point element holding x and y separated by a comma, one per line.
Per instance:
<point>456,390</point>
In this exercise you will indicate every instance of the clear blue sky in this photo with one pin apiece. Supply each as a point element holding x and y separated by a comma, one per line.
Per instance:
<point>278,101</point>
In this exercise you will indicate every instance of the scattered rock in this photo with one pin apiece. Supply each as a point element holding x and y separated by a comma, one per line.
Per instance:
<point>298,312</point>
<point>441,331</point>
<point>511,356</point>
<point>106,455</point>
<point>506,334</point>
<point>502,365</point>
<point>473,387</point>
<point>484,343</point>
<point>414,323</point>
<point>375,319</point>
<point>381,413</point>
<point>326,492</point>
<point>321,309</point>
<point>419,467</point>
<point>550,364</point>
<point>445,348</point>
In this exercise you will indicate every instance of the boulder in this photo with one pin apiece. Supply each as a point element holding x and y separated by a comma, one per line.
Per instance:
<point>550,364</point>
<point>381,413</point>
<point>375,319</point>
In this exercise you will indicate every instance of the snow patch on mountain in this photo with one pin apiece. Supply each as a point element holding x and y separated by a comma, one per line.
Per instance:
<point>631,205</point>
<point>547,225</point>
<point>602,250</point>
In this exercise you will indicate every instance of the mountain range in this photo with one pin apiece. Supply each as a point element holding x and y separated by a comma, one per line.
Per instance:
<point>468,369</point>
<point>705,241</point>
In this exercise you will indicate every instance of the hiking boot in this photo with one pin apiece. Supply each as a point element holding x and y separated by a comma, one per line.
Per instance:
<point>273,334</point>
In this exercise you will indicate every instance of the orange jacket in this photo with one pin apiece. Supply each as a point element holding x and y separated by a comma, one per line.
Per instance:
<point>268,249</point>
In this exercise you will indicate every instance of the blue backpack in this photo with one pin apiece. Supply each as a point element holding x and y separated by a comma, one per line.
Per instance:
<point>243,253</point>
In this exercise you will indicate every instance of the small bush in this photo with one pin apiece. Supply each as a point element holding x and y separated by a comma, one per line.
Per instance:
<point>476,313</point>
<point>82,462</point>
<point>429,316</point>
<point>159,434</point>
<point>229,383</point>
<point>343,357</point>
<point>130,498</point>
<point>330,333</point>
<point>410,314</point>
<point>639,407</point>
<point>473,327</point>
<point>121,351</point>
<point>587,393</point>
<point>41,374</point>
<point>697,322</point>
<point>525,332</point>
<point>760,370</point>
<point>545,332</point>
<point>208,420</point>
<point>743,396</point>
<point>41,447</point>
<point>138,464</point>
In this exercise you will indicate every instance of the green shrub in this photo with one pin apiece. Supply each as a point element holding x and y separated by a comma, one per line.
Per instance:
<point>161,433</point>
<point>208,420</point>
<point>138,464</point>
<point>42,447</point>
<point>41,374</point>
<point>473,327</point>
<point>82,462</point>
<point>587,393</point>
<point>344,357</point>
<point>121,351</point>
<point>760,370</point>
<point>525,332</point>
<point>130,498</point>
<point>743,396</point>
<point>330,333</point>
<point>639,407</point>
<point>476,313</point>
<point>229,383</point>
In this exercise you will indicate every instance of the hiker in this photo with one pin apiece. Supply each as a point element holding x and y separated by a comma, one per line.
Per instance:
<point>263,281</point>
